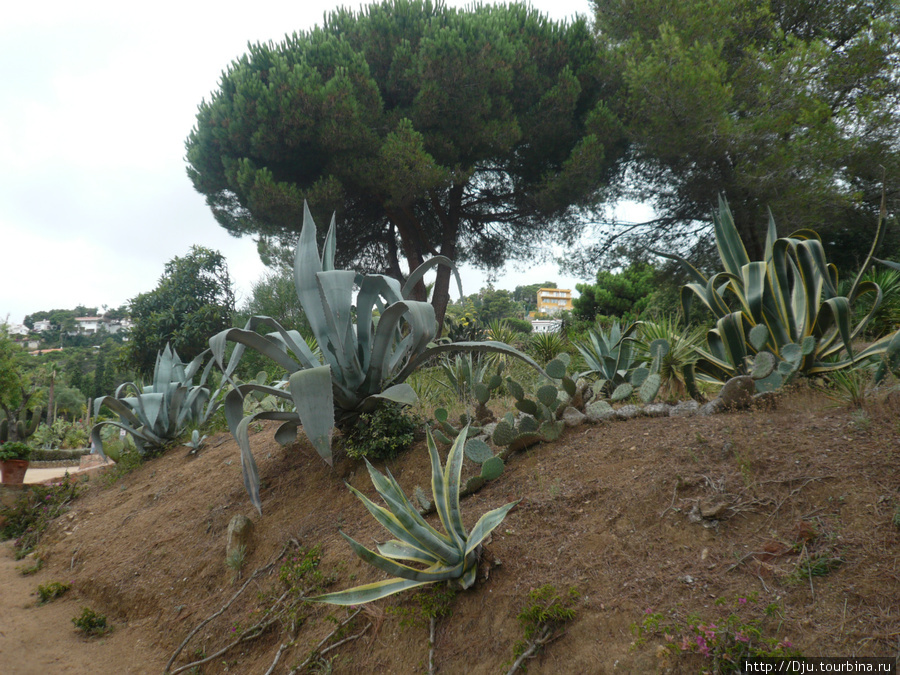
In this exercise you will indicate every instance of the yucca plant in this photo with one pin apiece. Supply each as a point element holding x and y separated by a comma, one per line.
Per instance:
<point>452,555</point>
<point>362,362</point>
<point>547,346</point>
<point>792,292</point>
<point>157,414</point>
<point>683,342</point>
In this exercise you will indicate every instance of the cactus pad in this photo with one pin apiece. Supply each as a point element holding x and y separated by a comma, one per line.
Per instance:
<point>622,392</point>
<point>504,433</point>
<point>763,365</point>
<point>514,388</point>
<point>569,386</point>
<point>527,406</point>
<point>659,348</point>
<point>547,395</point>
<point>808,345</point>
<point>770,383</point>
<point>478,451</point>
<point>528,425</point>
<point>550,431</point>
<point>759,336</point>
<point>556,369</point>
<point>474,484</point>
<point>650,388</point>
<point>492,468</point>
<point>482,393</point>
<point>792,353</point>
<point>638,376</point>
<point>441,414</point>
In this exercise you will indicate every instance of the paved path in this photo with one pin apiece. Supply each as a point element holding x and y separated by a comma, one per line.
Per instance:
<point>41,475</point>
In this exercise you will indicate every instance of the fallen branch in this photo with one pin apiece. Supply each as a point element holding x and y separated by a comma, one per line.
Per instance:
<point>545,636</point>
<point>253,632</point>
<point>316,652</point>
<point>431,647</point>
<point>259,571</point>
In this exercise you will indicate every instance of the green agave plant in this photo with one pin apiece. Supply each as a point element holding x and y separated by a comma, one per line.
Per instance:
<point>360,363</point>
<point>792,293</point>
<point>157,414</point>
<point>611,357</point>
<point>448,556</point>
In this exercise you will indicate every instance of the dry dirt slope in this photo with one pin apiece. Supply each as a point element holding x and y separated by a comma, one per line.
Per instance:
<point>615,511</point>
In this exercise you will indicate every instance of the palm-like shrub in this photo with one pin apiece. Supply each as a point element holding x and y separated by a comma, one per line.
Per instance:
<point>791,293</point>
<point>448,556</point>
<point>546,346</point>
<point>360,364</point>
<point>683,342</point>
<point>157,414</point>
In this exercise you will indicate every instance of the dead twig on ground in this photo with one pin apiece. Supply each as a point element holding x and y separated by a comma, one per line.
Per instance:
<point>546,636</point>
<point>259,571</point>
<point>315,652</point>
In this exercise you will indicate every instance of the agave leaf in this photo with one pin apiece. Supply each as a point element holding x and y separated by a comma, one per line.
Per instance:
<point>398,550</point>
<point>311,392</point>
<point>410,518</point>
<point>486,525</point>
<point>434,573</point>
<point>248,464</point>
<point>417,274</point>
<point>368,592</point>
<point>408,526</point>
<point>449,511</point>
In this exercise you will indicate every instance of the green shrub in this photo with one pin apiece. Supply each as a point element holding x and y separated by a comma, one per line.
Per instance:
<point>32,513</point>
<point>58,455</point>
<point>519,325</point>
<point>14,450</point>
<point>382,434</point>
<point>51,591</point>
<point>92,623</point>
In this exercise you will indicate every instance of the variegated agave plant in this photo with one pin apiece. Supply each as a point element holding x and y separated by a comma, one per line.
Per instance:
<point>453,555</point>
<point>157,414</point>
<point>791,300</point>
<point>359,363</point>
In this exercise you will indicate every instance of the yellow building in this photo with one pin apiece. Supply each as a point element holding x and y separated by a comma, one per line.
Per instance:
<point>553,300</point>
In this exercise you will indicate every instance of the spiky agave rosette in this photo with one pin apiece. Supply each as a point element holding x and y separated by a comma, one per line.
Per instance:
<point>449,556</point>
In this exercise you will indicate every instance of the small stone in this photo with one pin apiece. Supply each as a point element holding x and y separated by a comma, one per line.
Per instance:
<point>573,417</point>
<point>628,412</point>
<point>599,411</point>
<point>684,409</point>
<point>240,534</point>
<point>657,409</point>
<point>711,510</point>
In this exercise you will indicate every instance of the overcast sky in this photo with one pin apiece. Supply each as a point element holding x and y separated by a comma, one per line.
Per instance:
<point>96,101</point>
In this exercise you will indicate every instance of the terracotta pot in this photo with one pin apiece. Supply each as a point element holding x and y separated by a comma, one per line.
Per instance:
<point>13,471</point>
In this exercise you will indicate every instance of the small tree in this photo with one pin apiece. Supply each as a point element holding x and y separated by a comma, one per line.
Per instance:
<point>622,294</point>
<point>194,300</point>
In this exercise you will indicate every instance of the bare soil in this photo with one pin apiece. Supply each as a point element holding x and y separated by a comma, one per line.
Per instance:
<point>663,515</point>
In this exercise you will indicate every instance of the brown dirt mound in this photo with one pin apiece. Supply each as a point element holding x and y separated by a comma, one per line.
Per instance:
<point>652,515</point>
